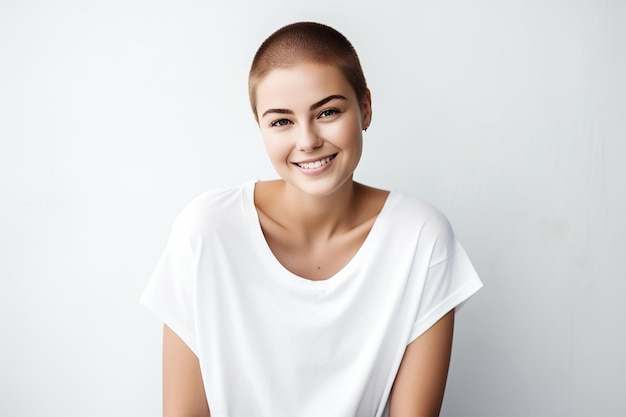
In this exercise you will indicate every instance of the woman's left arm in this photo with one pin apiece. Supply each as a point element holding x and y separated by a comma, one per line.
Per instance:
<point>421,380</point>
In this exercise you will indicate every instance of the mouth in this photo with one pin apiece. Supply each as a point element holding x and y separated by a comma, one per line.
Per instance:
<point>315,164</point>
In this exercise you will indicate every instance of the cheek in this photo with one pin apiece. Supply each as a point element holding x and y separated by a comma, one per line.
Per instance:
<point>346,133</point>
<point>277,148</point>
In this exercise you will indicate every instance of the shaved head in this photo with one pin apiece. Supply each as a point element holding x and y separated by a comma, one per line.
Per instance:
<point>306,42</point>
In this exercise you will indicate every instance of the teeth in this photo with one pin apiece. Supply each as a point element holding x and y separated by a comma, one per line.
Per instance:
<point>316,164</point>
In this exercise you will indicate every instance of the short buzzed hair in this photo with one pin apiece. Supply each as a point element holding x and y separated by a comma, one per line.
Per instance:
<point>301,42</point>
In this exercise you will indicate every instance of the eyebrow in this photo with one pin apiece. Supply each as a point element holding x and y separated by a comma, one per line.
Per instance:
<point>313,106</point>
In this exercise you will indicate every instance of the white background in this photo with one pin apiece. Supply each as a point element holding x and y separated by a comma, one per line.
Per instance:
<point>510,116</point>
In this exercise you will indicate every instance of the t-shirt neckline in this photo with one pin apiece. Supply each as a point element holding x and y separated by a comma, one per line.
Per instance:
<point>280,272</point>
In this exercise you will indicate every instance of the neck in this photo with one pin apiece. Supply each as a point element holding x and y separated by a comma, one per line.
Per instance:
<point>320,215</point>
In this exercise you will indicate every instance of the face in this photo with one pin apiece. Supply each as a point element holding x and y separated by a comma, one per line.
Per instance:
<point>311,122</point>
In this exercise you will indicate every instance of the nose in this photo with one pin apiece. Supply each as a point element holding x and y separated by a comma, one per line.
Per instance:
<point>308,139</point>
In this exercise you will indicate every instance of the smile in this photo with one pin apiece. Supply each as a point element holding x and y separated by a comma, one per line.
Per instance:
<point>316,164</point>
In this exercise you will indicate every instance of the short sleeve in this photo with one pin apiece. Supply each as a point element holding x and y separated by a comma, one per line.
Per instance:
<point>170,293</point>
<point>450,280</point>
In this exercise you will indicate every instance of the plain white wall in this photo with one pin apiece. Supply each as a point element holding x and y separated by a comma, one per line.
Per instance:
<point>508,115</point>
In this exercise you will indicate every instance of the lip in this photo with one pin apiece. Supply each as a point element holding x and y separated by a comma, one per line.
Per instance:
<point>315,171</point>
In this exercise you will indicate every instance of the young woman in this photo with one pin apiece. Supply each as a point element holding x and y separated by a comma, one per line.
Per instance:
<point>311,295</point>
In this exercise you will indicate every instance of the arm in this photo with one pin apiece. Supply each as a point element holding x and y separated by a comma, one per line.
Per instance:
<point>421,379</point>
<point>183,389</point>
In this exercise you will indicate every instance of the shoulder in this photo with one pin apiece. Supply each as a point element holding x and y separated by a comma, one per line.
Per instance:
<point>212,209</point>
<point>431,225</point>
<point>430,218</point>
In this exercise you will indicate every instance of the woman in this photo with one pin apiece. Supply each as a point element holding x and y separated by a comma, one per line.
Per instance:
<point>312,295</point>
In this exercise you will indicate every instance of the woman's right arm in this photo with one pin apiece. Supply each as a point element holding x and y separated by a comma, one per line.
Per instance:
<point>183,389</point>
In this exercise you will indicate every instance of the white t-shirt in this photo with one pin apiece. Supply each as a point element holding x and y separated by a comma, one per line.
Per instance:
<point>271,343</point>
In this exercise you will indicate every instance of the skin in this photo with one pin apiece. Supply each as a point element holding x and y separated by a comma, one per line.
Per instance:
<point>421,380</point>
<point>315,220</point>
<point>183,389</point>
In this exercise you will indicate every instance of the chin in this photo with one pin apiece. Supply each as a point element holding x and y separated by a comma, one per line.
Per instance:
<point>320,188</point>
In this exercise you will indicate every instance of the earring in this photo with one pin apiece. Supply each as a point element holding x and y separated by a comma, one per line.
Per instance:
<point>365,128</point>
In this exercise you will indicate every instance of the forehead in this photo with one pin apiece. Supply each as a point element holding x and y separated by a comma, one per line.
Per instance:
<point>301,85</point>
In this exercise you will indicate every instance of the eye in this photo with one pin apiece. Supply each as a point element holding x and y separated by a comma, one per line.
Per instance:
<point>280,122</point>
<point>328,113</point>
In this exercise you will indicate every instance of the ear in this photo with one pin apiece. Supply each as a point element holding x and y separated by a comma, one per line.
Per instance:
<point>366,109</point>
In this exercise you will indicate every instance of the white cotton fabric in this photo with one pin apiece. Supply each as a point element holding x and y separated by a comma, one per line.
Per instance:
<point>273,344</point>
